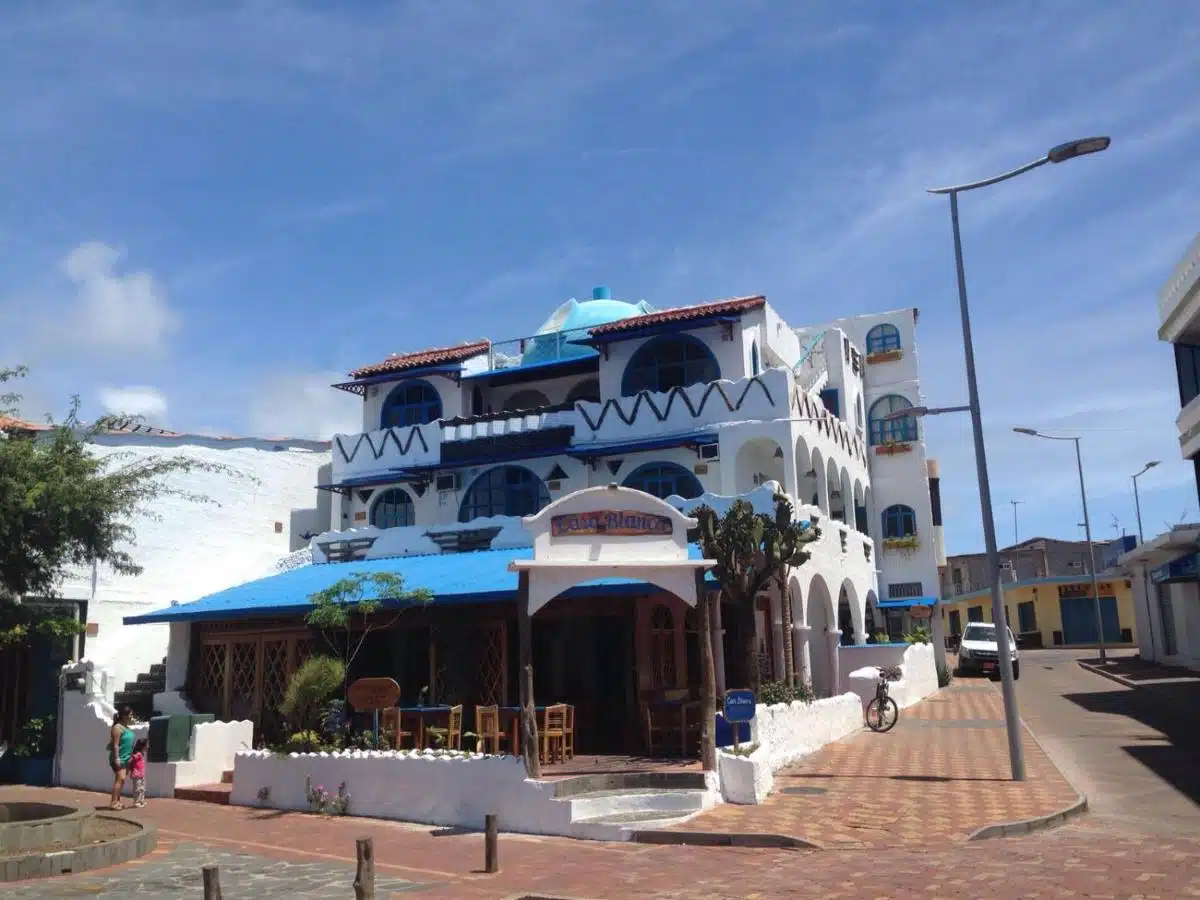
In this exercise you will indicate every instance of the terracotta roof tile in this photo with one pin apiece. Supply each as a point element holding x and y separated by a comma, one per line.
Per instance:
<point>682,314</point>
<point>403,361</point>
<point>8,423</point>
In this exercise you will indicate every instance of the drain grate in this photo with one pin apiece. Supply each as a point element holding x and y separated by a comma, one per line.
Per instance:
<point>816,791</point>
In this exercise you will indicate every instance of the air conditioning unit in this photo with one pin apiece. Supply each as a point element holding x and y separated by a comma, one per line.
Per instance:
<point>710,451</point>
<point>451,482</point>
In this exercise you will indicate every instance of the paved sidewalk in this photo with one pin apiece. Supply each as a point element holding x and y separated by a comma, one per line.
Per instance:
<point>939,775</point>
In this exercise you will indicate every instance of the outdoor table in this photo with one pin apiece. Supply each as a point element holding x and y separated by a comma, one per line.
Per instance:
<point>419,713</point>
<point>512,714</point>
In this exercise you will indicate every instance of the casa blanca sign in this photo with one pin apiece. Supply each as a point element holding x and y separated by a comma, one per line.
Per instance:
<point>611,522</point>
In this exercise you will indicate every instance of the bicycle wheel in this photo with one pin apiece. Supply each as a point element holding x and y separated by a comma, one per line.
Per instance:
<point>882,717</point>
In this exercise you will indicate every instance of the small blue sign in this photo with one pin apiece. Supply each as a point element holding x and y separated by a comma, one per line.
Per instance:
<point>739,706</point>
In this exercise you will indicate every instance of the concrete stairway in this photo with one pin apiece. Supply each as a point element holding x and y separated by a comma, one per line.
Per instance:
<point>613,807</point>
<point>209,793</point>
<point>139,695</point>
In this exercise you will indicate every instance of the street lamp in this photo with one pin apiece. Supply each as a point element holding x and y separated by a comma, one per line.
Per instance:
<point>1087,530</point>
<point>1012,721</point>
<point>1137,503</point>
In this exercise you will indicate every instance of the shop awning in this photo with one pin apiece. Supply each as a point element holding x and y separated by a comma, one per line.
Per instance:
<point>481,576</point>
<point>908,602</point>
<point>1186,568</point>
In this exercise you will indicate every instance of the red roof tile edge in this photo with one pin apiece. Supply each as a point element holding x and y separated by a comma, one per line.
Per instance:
<point>682,314</point>
<point>401,361</point>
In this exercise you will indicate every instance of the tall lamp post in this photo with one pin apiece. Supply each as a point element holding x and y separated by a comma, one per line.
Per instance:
<point>1061,153</point>
<point>1015,504</point>
<point>1137,505</point>
<point>1087,530</point>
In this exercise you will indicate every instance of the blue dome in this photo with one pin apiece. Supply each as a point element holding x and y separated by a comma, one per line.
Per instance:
<point>559,337</point>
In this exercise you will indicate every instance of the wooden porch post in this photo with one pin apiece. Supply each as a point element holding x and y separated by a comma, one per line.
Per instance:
<point>708,691</point>
<point>529,735</point>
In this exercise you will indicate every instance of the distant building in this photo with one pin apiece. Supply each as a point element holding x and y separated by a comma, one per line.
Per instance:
<point>1164,569</point>
<point>1048,594</point>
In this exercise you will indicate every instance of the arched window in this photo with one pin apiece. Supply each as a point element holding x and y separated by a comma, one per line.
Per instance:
<point>504,491</point>
<point>393,509</point>
<point>899,521</point>
<point>411,403</point>
<point>755,364</point>
<point>858,413</point>
<point>882,338</point>
<point>528,399</point>
<point>585,390</point>
<point>669,362</point>
<point>885,430</point>
<point>662,479</point>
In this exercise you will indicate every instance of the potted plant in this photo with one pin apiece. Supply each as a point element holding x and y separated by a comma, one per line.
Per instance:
<point>33,755</point>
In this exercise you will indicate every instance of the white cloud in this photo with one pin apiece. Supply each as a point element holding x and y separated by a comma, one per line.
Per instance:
<point>113,312</point>
<point>304,406</point>
<point>135,400</point>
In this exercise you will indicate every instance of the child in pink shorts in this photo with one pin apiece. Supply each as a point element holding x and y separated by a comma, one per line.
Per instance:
<point>137,771</point>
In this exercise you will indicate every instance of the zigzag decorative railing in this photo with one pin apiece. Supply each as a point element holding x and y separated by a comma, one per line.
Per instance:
<point>389,434</point>
<point>828,424</point>
<point>673,395</point>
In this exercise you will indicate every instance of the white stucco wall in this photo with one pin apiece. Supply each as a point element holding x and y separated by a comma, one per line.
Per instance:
<point>412,786</point>
<point>791,731</point>
<point>916,663</point>
<point>190,549</point>
<point>84,729</point>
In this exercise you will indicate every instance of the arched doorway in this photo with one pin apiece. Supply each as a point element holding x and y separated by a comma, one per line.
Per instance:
<point>820,621</point>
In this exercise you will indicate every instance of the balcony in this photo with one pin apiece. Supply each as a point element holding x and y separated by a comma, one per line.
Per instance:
<point>689,409</point>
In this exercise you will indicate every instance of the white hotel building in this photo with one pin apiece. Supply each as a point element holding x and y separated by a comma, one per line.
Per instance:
<point>697,404</point>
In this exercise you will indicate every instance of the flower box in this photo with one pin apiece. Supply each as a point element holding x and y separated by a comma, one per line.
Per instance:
<point>882,356</point>
<point>904,543</point>
<point>745,780</point>
<point>892,448</point>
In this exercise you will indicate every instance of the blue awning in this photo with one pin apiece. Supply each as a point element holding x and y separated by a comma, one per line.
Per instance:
<point>1186,568</point>
<point>480,576</point>
<point>908,602</point>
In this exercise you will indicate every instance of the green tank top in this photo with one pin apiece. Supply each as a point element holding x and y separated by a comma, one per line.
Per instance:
<point>125,744</point>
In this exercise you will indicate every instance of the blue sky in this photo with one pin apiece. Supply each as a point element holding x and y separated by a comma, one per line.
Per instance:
<point>212,210</point>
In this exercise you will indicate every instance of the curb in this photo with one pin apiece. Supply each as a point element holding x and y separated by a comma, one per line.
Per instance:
<point>724,839</point>
<point>1111,676</point>
<point>1026,826</point>
<point>41,864</point>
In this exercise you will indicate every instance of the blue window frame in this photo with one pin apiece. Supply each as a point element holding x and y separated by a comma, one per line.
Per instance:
<point>899,521</point>
<point>667,362</point>
<point>882,338</point>
<point>393,509</point>
<point>885,431</point>
<point>411,403</point>
<point>662,479</point>
<point>504,491</point>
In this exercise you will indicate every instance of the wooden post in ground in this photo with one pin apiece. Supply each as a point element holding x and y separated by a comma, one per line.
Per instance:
<point>212,882</point>
<point>491,858</point>
<point>708,688</point>
<point>529,734</point>
<point>364,877</point>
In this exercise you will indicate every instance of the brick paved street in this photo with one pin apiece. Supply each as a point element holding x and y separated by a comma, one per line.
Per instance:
<point>940,774</point>
<point>955,735</point>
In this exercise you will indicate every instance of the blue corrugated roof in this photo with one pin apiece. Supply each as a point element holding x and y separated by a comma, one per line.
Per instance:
<point>477,577</point>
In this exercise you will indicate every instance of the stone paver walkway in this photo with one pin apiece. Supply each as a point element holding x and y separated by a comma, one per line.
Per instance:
<point>939,775</point>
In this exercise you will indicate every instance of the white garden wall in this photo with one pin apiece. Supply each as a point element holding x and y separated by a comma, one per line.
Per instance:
<point>919,675</point>
<point>434,788</point>
<point>791,731</point>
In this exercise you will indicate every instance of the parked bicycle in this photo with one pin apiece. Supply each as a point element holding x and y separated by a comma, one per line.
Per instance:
<point>882,711</point>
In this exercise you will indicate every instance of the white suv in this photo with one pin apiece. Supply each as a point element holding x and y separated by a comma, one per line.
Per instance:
<point>978,653</point>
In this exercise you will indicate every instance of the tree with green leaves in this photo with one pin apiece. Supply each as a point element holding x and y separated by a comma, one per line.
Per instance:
<point>752,550</point>
<point>311,685</point>
<point>62,505</point>
<point>347,611</point>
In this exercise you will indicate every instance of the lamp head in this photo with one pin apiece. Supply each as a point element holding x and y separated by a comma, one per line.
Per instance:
<point>1028,431</point>
<point>1079,147</point>
<point>1152,464</point>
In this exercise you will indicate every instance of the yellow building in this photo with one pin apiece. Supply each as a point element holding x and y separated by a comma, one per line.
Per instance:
<point>1051,612</point>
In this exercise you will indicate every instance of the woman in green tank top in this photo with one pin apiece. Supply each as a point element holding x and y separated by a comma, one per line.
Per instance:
<point>120,748</point>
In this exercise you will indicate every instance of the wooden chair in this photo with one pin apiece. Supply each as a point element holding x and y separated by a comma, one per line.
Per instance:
<point>389,724</point>
<point>553,733</point>
<point>450,737</point>
<point>661,718</point>
<point>569,734</point>
<point>487,727</point>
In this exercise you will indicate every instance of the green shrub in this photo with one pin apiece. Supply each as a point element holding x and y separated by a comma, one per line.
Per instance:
<point>773,692</point>
<point>918,635</point>
<point>313,684</point>
<point>37,739</point>
<point>944,676</point>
